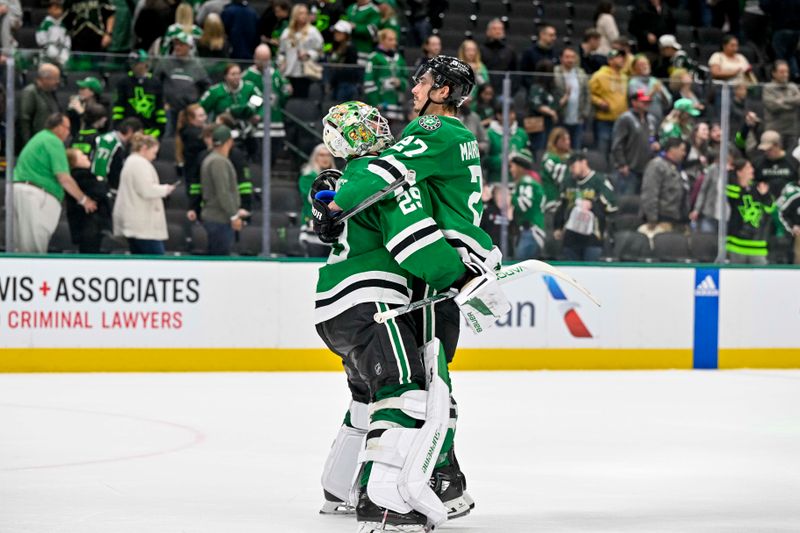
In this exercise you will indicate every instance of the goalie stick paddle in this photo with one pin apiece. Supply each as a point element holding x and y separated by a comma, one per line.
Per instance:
<point>504,275</point>
<point>409,179</point>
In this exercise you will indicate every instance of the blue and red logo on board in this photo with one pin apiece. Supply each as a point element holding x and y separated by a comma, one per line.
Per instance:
<point>572,319</point>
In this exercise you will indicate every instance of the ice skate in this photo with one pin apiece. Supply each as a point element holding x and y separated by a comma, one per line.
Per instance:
<point>374,519</point>
<point>448,483</point>
<point>333,505</point>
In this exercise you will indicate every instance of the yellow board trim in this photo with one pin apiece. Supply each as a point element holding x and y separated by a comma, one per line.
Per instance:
<point>285,360</point>
<point>759,358</point>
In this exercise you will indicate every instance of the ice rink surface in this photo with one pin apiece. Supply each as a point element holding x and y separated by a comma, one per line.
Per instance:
<point>637,452</point>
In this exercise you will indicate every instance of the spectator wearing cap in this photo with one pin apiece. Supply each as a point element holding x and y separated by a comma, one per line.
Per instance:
<point>774,166</point>
<point>729,64</point>
<point>90,24</point>
<point>93,123</point>
<point>182,78</point>
<point>634,142</point>
<point>650,20</point>
<point>609,90</point>
<point>591,59</point>
<point>41,177</point>
<point>587,200</point>
<point>664,200</point>
<point>37,101</point>
<point>344,76</point>
<point>679,122</point>
<point>544,49</point>
<point>528,204</point>
<point>241,26</point>
<point>140,95</point>
<point>52,36</point>
<point>781,104</point>
<point>784,16</point>
<point>750,204</point>
<point>572,82</point>
<point>672,57</point>
<point>138,213</point>
<point>497,54</point>
<point>221,211</point>
<point>642,79</point>
<point>184,26</point>
<point>90,91</point>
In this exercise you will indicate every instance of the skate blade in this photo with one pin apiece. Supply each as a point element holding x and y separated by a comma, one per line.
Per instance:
<point>458,507</point>
<point>337,508</point>
<point>468,499</point>
<point>379,527</point>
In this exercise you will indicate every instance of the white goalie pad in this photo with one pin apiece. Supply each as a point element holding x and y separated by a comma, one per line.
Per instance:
<point>339,472</point>
<point>404,458</point>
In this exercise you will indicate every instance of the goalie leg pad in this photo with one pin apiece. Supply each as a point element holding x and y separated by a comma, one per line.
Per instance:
<point>340,467</point>
<point>404,459</point>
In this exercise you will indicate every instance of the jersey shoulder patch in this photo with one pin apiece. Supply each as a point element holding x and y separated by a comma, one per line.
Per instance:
<point>429,122</point>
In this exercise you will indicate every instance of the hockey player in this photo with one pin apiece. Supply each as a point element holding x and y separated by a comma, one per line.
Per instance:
<point>139,95</point>
<point>370,269</point>
<point>445,156</point>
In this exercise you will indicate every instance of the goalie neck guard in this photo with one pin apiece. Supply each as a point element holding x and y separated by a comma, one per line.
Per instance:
<point>354,129</point>
<point>447,71</point>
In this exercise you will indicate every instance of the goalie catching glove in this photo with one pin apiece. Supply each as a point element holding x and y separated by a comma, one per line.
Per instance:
<point>320,195</point>
<point>481,300</point>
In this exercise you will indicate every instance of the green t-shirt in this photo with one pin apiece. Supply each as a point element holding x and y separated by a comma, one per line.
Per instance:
<point>41,159</point>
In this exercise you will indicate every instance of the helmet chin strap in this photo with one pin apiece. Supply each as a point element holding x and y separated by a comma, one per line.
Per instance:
<point>428,102</point>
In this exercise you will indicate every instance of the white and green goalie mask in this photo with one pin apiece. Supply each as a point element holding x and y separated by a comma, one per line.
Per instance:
<point>353,129</point>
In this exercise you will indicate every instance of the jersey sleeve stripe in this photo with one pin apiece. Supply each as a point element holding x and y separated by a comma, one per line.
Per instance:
<point>385,167</point>
<point>465,243</point>
<point>416,245</point>
<point>410,230</point>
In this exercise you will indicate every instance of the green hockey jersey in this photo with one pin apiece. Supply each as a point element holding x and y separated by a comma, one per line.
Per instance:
<point>517,141</point>
<point>748,225</point>
<point>242,103</point>
<point>444,154</point>
<point>381,249</point>
<point>280,92</point>
<point>365,20</point>
<point>789,206</point>
<point>382,71</point>
<point>108,158</point>
<point>554,170</point>
<point>528,203</point>
<point>580,217</point>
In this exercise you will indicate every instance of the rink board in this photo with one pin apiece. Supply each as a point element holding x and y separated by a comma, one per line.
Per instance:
<point>114,314</point>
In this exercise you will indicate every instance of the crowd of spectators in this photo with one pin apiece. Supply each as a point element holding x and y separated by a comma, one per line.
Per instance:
<point>624,110</point>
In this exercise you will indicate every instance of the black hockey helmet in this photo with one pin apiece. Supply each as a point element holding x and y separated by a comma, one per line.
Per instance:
<point>451,72</point>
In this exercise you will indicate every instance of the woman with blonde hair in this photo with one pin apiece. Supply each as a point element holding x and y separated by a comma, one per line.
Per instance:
<point>299,50</point>
<point>138,213</point>
<point>470,53</point>
<point>213,44</point>
<point>184,23</point>
<point>319,160</point>
<point>554,165</point>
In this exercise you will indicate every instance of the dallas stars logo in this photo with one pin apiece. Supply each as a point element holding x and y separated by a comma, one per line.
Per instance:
<point>430,122</point>
<point>142,103</point>
<point>751,211</point>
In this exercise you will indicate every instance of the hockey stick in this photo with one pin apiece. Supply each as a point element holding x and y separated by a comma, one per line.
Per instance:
<point>504,275</point>
<point>409,179</point>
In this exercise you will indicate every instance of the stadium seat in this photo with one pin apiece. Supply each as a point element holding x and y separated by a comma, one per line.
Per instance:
<point>166,171</point>
<point>628,204</point>
<point>703,247</point>
<point>249,242</point>
<point>285,198</point>
<point>627,221</point>
<point>598,161</point>
<point>198,245</point>
<point>178,200</point>
<point>632,246</point>
<point>710,36</point>
<point>61,241</point>
<point>780,249</point>
<point>672,247</point>
<point>176,239</point>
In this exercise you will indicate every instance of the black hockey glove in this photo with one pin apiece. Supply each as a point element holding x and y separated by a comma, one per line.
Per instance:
<point>325,181</point>
<point>324,220</point>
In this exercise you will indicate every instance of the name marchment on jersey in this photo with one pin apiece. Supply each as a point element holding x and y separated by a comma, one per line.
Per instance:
<point>469,150</point>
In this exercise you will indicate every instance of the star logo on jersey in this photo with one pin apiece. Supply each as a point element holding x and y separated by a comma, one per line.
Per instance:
<point>142,103</point>
<point>430,122</point>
